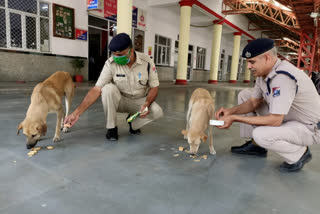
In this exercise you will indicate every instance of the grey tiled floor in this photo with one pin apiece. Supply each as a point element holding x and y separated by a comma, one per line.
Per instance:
<point>138,174</point>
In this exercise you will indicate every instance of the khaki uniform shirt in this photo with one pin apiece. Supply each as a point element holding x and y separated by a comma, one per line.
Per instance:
<point>292,95</point>
<point>132,82</point>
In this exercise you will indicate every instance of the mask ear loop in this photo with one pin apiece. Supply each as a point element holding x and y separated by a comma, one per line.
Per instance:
<point>129,53</point>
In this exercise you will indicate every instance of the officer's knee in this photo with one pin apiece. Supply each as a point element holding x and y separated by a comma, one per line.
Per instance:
<point>259,136</point>
<point>157,112</point>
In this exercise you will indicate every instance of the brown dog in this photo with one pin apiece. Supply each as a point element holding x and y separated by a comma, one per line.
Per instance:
<point>47,97</point>
<point>200,110</point>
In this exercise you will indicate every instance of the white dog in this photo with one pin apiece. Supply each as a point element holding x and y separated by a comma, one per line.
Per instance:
<point>200,110</point>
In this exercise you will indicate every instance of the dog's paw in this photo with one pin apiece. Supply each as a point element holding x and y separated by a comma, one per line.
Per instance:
<point>213,152</point>
<point>65,129</point>
<point>56,139</point>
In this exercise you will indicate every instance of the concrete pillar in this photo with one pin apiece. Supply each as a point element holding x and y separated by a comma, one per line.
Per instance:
<point>215,52</point>
<point>235,57</point>
<point>124,16</point>
<point>247,73</point>
<point>184,35</point>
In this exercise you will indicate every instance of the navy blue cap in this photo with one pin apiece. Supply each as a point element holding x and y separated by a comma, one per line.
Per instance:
<point>257,47</point>
<point>120,42</point>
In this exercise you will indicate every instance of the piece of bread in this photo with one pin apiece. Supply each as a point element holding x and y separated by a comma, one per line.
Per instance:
<point>67,125</point>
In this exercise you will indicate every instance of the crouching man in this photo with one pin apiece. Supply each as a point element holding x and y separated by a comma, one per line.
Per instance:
<point>128,83</point>
<point>280,114</point>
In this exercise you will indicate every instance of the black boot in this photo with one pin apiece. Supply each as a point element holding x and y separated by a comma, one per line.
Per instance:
<point>131,130</point>
<point>249,148</point>
<point>306,157</point>
<point>112,134</point>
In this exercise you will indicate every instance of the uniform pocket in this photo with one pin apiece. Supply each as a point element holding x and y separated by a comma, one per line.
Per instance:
<point>121,83</point>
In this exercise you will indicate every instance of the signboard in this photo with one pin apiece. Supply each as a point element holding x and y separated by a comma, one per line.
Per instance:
<point>110,11</point>
<point>134,16</point>
<point>63,21</point>
<point>92,4</point>
<point>81,34</point>
<point>149,50</point>
<point>141,19</point>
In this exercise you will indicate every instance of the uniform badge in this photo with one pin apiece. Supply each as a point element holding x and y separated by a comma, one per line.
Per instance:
<point>248,54</point>
<point>276,91</point>
<point>154,69</point>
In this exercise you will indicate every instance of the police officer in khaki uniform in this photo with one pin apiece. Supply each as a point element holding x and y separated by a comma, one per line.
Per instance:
<point>280,114</point>
<point>128,83</point>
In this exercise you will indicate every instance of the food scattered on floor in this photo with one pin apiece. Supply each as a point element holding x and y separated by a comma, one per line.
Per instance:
<point>35,148</point>
<point>181,148</point>
<point>205,157</point>
<point>193,156</point>
<point>67,125</point>
<point>197,160</point>
<point>176,155</point>
<point>32,153</point>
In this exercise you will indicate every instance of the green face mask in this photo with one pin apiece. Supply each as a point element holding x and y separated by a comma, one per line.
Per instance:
<point>122,60</point>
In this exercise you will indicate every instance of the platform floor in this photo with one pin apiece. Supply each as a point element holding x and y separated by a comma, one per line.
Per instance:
<point>85,173</point>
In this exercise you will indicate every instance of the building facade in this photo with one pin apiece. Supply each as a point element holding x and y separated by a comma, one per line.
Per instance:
<point>39,37</point>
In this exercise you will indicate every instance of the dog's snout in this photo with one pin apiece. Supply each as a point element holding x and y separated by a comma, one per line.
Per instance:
<point>30,146</point>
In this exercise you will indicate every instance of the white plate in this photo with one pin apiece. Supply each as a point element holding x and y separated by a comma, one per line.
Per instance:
<point>216,122</point>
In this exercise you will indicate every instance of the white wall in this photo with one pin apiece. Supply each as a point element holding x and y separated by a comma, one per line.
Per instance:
<point>165,21</point>
<point>160,20</point>
<point>71,47</point>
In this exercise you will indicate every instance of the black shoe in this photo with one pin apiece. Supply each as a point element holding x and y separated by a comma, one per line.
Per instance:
<point>112,134</point>
<point>249,148</point>
<point>306,157</point>
<point>131,130</point>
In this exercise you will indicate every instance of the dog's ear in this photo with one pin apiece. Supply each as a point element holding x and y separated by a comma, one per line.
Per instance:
<point>42,129</point>
<point>19,127</point>
<point>204,137</point>
<point>184,132</point>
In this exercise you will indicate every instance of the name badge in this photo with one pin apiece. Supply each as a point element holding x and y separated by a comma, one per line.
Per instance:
<point>120,75</point>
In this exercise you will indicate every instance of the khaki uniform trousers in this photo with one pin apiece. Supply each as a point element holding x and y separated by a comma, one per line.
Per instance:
<point>289,140</point>
<point>114,102</point>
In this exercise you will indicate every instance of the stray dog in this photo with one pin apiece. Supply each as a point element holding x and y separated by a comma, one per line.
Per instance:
<point>200,110</point>
<point>47,97</point>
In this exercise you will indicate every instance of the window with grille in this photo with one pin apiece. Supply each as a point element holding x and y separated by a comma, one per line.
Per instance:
<point>201,57</point>
<point>24,25</point>
<point>162,50</point>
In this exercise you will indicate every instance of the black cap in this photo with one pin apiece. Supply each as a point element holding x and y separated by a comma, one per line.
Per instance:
<point>257,47</point>
<point>120,42</point>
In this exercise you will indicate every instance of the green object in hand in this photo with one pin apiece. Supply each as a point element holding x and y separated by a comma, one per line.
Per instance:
<point>130,119</point>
